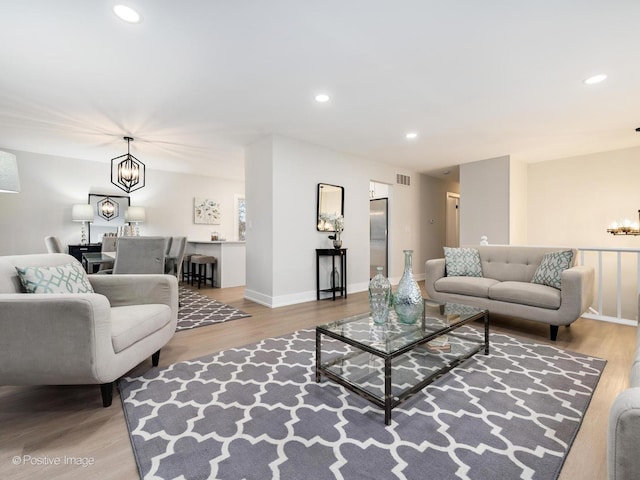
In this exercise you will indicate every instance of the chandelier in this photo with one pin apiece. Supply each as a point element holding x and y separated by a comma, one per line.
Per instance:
<point>127,172</point>
<point>625,227</point>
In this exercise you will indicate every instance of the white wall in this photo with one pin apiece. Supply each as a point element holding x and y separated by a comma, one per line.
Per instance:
<point>572,201</point>
<point>434,215</point>
<point>51,185</point>
<point>484,201</point>
<point>517,202</point>
<point>290,201</point>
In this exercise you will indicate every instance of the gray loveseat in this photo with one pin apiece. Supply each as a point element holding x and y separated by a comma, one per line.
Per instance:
<point>624,425</point>
<point>505,286</point>
<point>82,338</point>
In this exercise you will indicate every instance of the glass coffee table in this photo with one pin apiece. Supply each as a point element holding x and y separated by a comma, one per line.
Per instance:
<point>387,364</point>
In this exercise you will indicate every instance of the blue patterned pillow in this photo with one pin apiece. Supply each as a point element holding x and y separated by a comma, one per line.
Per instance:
<point>69,278</point>
<point>462,262</point>
<point>551,267</point>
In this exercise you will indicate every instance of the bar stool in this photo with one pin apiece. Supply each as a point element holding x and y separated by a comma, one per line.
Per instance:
<point>202,261</point>
<point>186,267</point>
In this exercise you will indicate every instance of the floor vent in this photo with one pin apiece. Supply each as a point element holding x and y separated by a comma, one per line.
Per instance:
<point>403,179</point>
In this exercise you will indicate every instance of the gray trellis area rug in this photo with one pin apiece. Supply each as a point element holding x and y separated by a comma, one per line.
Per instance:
<point>257,413</point>
<point>198,311</point>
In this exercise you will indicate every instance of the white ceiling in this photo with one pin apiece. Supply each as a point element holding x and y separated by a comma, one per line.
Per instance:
<point>199,79</point>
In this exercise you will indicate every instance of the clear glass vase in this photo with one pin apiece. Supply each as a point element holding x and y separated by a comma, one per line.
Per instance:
<point>337,242</point>
<point>407,301</point>
<point>379,297</point>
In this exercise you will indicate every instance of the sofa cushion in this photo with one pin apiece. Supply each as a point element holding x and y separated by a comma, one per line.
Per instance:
<point>473,286</point>
<point>526,294</point>
<point>69,278</point>
<point>550,269</point>
<point>132,323</point>
<point>462,262</point>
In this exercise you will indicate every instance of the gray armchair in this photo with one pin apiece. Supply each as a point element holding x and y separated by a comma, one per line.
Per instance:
<point>624,425</point>
<point>82,338</point>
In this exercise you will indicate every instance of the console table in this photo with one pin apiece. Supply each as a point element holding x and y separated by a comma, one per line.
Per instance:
<point>341,255</point>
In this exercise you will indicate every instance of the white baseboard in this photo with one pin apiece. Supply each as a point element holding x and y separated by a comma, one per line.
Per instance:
<point>309,296</point>
<point>279,301</point>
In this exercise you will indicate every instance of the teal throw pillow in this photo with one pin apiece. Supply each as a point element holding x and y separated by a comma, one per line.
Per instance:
<point>462,262</point>
<point>69,278</point>
<point>551,268</point>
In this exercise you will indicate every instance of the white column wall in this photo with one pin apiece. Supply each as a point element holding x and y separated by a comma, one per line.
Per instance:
<point>259,236</point>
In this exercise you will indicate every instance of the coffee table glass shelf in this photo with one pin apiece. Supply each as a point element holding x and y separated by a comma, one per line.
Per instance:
<point>387,364</point>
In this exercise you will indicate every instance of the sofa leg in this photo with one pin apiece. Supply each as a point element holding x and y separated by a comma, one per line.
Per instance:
<point>553,332</point>
<point>155,358</point>
<point>107,393</point>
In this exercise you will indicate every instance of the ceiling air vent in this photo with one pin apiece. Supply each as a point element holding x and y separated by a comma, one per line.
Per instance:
<point>403,179</point>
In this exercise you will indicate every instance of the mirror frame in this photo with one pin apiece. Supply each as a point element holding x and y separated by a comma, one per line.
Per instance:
<point>322,225</point>
<point>100,226</point>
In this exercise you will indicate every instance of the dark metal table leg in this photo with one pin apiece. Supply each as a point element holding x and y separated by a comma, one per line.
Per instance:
<point>388,396</point>
<point>318,350</point>
<point>486,333</point>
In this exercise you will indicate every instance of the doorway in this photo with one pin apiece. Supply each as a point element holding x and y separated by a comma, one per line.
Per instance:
<point>452,221</point>
<point>378,228</point>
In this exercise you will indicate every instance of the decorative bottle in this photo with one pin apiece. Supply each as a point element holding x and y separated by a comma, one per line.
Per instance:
<point>379,297</point>
<point>334,279</point>
<point>407,301</point>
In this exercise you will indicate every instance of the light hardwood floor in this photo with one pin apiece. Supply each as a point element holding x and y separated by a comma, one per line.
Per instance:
<point>59,423</point>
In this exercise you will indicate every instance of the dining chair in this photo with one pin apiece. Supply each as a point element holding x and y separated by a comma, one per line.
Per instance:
<point>53,244</point>
<point>109,243</point>
<point>176,256</point>
<point>140,255</point>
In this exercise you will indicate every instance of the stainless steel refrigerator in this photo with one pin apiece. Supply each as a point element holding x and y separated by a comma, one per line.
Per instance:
<point>378,240</point>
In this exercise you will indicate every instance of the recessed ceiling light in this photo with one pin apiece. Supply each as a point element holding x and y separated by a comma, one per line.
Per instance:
<point>322,98</point>
<point>127,14</point>
<point>595,79</point>
<point>411,135</point>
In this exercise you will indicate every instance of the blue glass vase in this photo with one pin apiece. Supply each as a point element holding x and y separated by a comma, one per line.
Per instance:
<point>407,301</point>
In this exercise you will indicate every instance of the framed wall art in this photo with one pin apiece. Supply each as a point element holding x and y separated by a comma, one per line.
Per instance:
<point>108,215</point>
<point>206,211</point>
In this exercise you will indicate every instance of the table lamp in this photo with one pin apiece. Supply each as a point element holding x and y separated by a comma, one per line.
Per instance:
<point>135,215</point>
<point>82,213</point>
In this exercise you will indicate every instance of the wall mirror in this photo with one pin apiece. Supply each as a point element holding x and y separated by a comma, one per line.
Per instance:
<point>330,205</point>
<point>108,215</point>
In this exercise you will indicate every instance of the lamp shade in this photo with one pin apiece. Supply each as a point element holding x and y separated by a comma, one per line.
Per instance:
<point>9,180</point>
<point>82,213</point>
<point>135,215</point>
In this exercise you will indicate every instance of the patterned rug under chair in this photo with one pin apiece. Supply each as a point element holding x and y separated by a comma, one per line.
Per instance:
<point>196,310</point>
